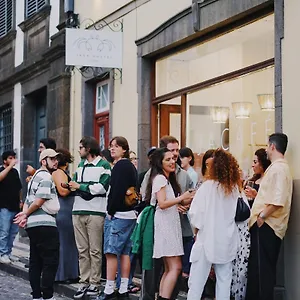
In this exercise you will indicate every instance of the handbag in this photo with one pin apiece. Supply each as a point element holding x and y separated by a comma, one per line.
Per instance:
<point>50,206</point>
<point>132,197</point>
<point>242,210</point>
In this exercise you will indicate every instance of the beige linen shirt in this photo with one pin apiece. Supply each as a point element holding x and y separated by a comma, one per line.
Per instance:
<point>276,189</point>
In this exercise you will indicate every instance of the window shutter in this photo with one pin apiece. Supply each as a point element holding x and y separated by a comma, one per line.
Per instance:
<point>33,6</point>
<point>6,16</point>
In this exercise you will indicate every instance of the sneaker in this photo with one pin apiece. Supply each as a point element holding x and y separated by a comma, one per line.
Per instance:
<point>37,299</point>
<point>104,296</point>
<point>92,290</point>
<point>13,258</point>
<point>81,291</point>
<point>5,259</point>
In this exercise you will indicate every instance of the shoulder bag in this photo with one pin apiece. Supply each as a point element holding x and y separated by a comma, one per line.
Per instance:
<point>242,210</point>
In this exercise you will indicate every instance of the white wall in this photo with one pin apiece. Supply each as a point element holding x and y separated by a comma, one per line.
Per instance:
<point>19,49</point>
<point>17,120</point>
<point>54,18</point>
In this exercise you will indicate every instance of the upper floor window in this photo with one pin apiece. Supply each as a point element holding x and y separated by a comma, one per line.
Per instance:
<point>6,129</point>
<point>102,97</point>
<point>6,16</point>
<point>33,6</point>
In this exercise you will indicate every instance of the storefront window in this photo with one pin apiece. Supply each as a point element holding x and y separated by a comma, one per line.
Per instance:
<point>237,115</point>
<point>235,50</point>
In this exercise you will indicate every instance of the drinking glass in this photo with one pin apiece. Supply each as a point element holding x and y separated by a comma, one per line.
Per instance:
<point>250,184</point>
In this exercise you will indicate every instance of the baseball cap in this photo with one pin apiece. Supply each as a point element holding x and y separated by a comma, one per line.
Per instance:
<point>48,153</point>
<point>151,150</point>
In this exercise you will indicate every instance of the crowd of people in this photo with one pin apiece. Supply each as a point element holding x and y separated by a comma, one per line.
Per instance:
<point>209,228</point>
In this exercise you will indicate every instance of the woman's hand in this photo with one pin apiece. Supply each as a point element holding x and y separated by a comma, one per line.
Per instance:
<point>187,197</point>
<point>250,192</point>
<point>74,185</point>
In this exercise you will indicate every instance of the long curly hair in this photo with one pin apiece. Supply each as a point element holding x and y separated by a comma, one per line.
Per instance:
<point>156,169</point>
<point>225,170</point>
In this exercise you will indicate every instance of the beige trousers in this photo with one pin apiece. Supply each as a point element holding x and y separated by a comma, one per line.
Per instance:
<point>88,231</point>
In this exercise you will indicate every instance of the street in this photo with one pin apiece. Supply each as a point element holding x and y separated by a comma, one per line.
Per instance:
<point>14,288</point>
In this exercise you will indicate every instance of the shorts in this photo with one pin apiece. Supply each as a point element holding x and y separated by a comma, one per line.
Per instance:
<point>117,233</point>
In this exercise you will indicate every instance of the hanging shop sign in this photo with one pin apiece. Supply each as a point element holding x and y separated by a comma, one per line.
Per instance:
<point>94,48</point>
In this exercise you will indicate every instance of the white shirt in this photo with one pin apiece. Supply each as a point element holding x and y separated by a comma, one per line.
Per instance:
<point>213,213</point>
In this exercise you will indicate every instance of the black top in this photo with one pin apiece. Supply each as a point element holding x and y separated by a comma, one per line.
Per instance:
<point>10,188</point>
<point>123,176</point>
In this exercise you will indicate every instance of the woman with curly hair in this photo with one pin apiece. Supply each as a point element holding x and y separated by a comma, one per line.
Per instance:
<point>212,214</point>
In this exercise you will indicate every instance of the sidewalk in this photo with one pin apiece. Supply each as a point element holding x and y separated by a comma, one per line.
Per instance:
<point>21,252</point>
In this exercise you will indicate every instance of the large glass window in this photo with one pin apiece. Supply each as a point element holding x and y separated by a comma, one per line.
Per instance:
<point>237,115</point>
<point>235,50</point>
<point>220,93</point>
<point>6,16</point>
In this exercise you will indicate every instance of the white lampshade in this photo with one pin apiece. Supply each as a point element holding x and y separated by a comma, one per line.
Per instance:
<point>219,114</point>
<point>266,102</point>
<point>242,110</point>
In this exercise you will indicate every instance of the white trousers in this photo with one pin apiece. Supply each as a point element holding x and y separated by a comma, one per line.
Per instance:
<point>199,272</point>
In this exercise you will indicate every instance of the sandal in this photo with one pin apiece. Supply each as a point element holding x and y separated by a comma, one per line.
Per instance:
<point>133,289</point>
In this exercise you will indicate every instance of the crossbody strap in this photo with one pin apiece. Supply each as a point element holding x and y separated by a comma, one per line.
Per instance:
<point>39,171</point>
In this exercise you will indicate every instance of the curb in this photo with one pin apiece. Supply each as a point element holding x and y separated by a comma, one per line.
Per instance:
<point>60,289</point>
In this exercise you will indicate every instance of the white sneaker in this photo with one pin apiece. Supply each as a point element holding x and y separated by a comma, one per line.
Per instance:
<point>13,258</point>
<point>5,259</point>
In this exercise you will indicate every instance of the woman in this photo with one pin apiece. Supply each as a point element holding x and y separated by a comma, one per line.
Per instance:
<point>259,166</point>
<point>120,219</point>
<point>212,213</point>
<point>187,162</point>
<point>240,264</point>
<point>133,158</point>
<point>161,190</point>
<point>68,255</point>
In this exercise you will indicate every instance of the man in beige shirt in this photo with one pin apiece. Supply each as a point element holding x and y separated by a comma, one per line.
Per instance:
<point>269,220</point>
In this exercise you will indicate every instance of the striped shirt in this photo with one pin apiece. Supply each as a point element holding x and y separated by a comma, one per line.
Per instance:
<point>94,178</point>
<point>41,186</point>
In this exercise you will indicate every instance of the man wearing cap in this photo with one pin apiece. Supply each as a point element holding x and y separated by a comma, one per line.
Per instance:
<point>38,217</point>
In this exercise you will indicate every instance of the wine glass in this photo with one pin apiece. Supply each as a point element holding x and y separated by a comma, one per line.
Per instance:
<point>250,183</point>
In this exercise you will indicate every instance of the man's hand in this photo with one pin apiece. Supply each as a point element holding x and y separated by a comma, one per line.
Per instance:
<point>74,185</point>
<point>13,162</point>
<point>30,170</point>
<point>20,218</point>
<point>28,178</point>
<point>260,221</point>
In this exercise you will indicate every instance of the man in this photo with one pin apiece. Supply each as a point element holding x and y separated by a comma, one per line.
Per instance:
<point>41,227</point>
<point>269,220</point>
<point>91,181</point>
<point>10,196</point>
<point>45,143</point>
<point>151,278</point>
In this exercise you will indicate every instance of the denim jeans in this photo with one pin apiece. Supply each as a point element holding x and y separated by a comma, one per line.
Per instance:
<point>8,231</point>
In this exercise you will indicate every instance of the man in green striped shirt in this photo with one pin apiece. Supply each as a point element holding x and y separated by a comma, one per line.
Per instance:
<point>38,217</point>
<point>91,182</point>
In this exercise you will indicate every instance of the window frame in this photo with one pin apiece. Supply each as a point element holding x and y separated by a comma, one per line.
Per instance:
<point>106,108</point>
<point>8,135</point>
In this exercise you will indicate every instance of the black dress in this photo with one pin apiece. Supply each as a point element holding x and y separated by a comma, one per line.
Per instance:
<point>68,268</point>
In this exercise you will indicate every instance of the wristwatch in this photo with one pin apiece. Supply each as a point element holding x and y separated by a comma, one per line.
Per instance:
<point>261,215</point>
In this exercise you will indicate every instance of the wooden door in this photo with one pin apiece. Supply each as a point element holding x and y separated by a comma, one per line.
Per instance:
<point>169,120</point>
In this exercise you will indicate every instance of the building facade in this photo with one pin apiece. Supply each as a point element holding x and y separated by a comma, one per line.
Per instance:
<point>34,87</point>
<point>214,73</point>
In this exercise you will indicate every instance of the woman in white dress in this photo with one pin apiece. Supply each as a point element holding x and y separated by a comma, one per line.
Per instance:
<point>212,213</point>
<point>161,190</point>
